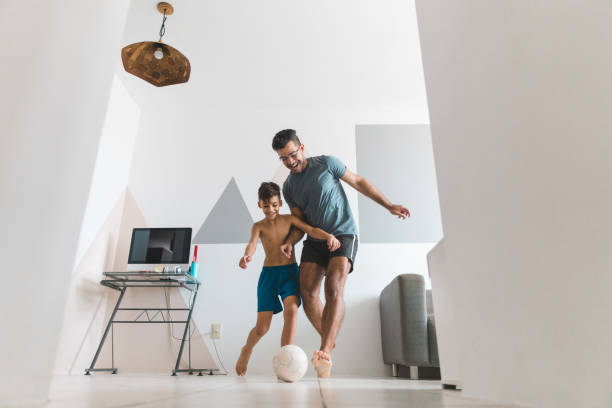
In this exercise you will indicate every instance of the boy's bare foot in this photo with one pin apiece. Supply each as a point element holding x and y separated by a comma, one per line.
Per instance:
<point>322,363</point>
<point>243,361</point>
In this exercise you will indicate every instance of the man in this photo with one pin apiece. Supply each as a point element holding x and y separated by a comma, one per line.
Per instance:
<point>314,193</point>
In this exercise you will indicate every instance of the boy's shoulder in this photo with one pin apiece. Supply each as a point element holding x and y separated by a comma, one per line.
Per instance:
<point>263,223</point>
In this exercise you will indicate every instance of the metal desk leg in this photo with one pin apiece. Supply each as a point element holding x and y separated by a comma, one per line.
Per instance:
<point>180,354</point>
<point>108,326</point>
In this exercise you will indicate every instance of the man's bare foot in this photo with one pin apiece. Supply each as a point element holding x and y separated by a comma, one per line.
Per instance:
<point>322,363</point>
<point>243,361</point>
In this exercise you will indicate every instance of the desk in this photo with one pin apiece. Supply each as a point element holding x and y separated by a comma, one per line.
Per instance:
<point>120,281</point>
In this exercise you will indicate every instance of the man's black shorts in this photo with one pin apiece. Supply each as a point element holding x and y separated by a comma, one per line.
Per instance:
<point>317,252</point>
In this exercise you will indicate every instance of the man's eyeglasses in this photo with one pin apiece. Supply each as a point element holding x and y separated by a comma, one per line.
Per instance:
<point>292,156</point>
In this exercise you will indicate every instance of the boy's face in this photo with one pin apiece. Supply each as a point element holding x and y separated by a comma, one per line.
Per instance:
<point>292,156</point>
<point>271,207</point>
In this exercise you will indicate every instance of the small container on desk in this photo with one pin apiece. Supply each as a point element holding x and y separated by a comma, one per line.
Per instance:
<point>193,270</point>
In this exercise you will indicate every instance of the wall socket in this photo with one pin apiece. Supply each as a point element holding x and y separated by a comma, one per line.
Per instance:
<point>215,331</point>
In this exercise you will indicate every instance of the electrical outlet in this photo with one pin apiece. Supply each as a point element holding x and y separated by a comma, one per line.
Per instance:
<point>215,331</point>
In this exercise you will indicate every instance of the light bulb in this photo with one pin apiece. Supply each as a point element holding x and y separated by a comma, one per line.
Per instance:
<point>159,54</point>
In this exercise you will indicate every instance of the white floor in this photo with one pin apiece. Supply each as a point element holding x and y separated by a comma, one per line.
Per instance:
<point>129,390</point>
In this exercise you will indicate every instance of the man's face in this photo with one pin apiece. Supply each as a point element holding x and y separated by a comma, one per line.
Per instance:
<point>292,157</point>
<point>271,207</point>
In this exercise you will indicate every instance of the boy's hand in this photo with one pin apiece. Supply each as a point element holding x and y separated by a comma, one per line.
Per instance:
<point>399,210</point>
<point>287,249</point>
<point>332,243</point>
<point>244,261</point>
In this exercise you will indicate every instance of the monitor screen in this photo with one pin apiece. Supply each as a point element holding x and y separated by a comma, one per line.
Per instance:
<point>160,246</point>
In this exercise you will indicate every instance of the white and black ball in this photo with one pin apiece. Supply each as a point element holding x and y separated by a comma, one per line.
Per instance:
<point>290,363</point>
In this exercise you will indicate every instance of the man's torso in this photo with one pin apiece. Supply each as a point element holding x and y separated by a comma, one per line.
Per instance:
<point>318,192</point>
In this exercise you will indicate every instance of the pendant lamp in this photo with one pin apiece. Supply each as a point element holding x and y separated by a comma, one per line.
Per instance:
<point>157,62</point>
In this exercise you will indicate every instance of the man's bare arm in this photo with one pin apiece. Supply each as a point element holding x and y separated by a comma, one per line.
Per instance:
<point>369,190</point>
<point>332,241</point>
<point>295,234</point>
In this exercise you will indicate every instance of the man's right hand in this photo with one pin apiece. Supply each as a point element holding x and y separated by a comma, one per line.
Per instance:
<point>287,249</point>
<point>244,261</point>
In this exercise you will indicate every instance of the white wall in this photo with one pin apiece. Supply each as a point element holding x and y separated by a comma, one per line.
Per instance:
<point>87,301</point>
<point>193,138</point>
<point>57,72</point>
<point>113,162</point>
<point>385,155</point>
<point>187,151</point>
<point>519,98</point>
<point>318,69</point>
<point>229,296</point>
<point>184,194</point>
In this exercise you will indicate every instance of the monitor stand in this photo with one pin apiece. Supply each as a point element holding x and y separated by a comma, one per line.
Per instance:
<point>156,267</point>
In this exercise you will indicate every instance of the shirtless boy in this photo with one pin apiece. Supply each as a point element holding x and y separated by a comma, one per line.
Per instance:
<point>279,276</point>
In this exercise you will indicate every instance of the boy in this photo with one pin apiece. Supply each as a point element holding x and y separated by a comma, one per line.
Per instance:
<point>280,274</point>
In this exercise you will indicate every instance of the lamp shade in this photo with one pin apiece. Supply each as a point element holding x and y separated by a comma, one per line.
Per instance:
<point>171,68</point>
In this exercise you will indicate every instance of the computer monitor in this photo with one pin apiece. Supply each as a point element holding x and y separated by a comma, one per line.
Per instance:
<point>153,247</point>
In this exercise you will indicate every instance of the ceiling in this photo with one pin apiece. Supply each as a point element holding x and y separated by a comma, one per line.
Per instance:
<point>269,53</point>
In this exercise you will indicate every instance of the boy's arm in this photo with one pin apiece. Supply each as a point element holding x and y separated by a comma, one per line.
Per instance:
<point>314,232</point>
<point>369,190</point>
<point>250,248</point>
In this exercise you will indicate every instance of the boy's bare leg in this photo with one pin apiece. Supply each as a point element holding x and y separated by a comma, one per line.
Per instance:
<point>261,327</point>
<point>290,314</point>
<point>311,276</point>
<point>333,312</point>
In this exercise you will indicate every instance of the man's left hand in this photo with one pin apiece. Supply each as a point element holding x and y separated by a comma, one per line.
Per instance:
<point>399,210</point>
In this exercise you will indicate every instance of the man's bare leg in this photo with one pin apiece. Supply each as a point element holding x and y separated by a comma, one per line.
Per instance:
<point>311,276</point>
<point>290,314</point>
<point>333,312</point>
<point>261,327</point>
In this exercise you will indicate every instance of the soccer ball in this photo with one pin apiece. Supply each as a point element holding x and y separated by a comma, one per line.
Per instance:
<point>290,363</point>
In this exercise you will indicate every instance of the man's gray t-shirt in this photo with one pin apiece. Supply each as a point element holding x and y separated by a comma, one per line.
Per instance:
<point>317,191</point>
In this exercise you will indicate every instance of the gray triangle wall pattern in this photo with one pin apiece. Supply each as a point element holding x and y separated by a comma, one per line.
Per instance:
<point>229,222</point>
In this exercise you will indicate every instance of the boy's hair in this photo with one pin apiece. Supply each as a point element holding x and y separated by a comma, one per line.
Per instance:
<point>267,190</point>
<point>283,137</point>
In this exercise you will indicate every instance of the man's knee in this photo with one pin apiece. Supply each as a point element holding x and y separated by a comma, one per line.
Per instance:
<point>309,297</point>
<point>309,292</point>
<point>334,289</point>
<point>336,278</point>
<point>310,281</point>
<point>338,265</point>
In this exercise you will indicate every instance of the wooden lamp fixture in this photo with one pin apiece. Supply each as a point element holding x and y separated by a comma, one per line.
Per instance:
<point>156,62</point>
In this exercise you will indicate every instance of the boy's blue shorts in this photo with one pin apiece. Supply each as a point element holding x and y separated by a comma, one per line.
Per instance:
<point>276,281</point>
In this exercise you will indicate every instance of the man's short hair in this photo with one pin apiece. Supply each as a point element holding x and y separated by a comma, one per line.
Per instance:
<point>283,137</point>
<point>267,190</point>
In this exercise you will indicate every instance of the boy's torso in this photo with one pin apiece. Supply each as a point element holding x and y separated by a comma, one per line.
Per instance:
<point>272,236</point>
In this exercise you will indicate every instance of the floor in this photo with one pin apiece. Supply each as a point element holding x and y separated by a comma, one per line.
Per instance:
<point>148,391</point>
